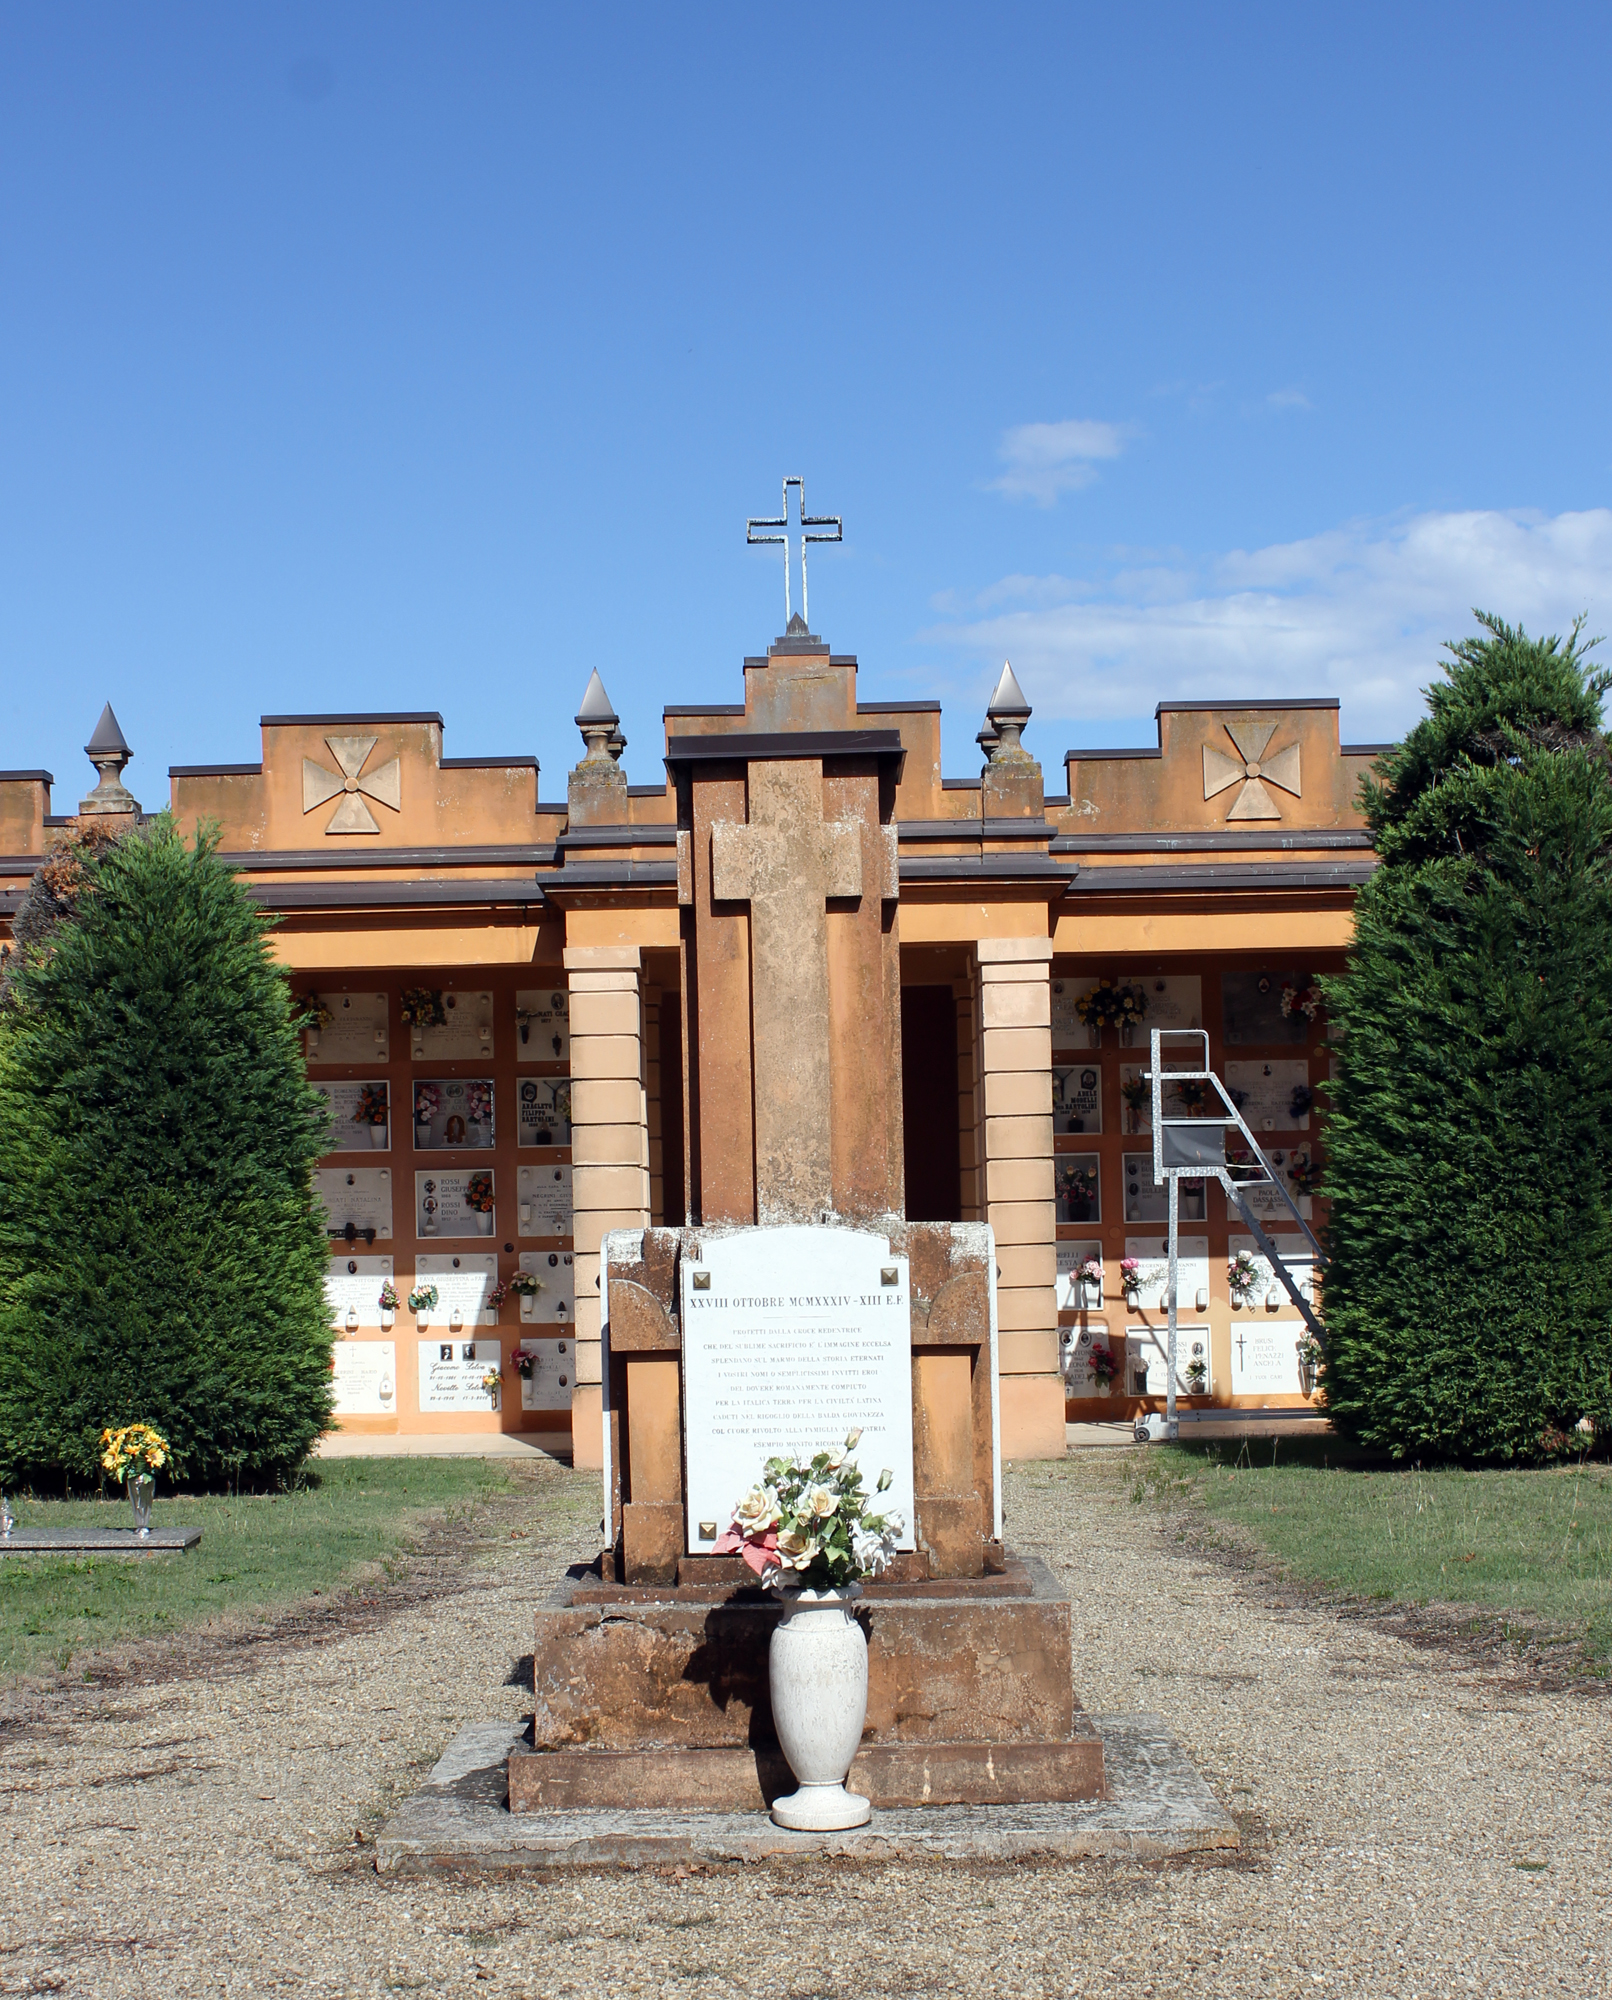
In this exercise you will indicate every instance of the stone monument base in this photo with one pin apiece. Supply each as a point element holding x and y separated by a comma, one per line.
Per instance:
<point>646,1695</point>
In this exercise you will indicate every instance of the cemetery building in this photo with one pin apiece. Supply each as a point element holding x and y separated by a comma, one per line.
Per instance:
<point>796,972</point>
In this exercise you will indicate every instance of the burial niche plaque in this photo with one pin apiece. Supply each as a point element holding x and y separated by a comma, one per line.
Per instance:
<point>791,1338</point>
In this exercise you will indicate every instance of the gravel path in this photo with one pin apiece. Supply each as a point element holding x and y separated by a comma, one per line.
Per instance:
<point>1419,1822</point>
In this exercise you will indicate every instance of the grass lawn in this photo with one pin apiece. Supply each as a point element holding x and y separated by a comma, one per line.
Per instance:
<point>1533,1548</point>
<point>256,1552</point>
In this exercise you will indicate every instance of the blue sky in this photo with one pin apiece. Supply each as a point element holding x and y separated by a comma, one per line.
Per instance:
<point>393,356</point>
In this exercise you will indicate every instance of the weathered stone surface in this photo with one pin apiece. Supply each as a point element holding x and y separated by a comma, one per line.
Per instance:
<point>960,1666</point>
<point>889,1774</point>
<point>1156,1805</point>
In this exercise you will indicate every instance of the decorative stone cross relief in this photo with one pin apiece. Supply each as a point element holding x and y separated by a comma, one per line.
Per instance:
<point>1253,769</point>
<point>385,785</point>
<point>786,862</point>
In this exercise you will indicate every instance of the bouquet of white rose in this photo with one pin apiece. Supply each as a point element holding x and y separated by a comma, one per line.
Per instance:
<point>809,1525</point>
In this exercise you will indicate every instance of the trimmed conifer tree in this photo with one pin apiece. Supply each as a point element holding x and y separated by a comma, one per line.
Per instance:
<point>162,1256</point>
<point>1469,1298</point>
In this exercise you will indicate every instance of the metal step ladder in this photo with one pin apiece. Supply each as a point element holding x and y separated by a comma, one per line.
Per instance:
<point>1194,1149</point>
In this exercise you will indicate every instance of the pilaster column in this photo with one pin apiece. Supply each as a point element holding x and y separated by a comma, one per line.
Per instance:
<point>652,1054</point>
<point>969,1174</point>
<point>609,1151</point>
<point>1015,1044</point>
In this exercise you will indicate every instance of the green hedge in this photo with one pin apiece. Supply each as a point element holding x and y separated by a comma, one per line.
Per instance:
<point>1469,1299</point>
<point>161,1255</point>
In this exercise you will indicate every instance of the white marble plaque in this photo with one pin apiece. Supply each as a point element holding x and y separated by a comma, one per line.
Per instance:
<point>353,1286</point>
<point>545,1111</point>
<point>556,1304</point>
<point>799,1336</point>
<point>553,1375</point>
<point>361,1196</point>
<point>1075,1344</point>
<point>365,1375</point>
<point>355,1032</point>
<point>1077,1098</point>
<point>1070,1258</point>
<point>1146,1203</point>
<point>1300,1264</point>
<point>464,1034</point>
<point>1173,1001</point>
<point>1078,1179</point>
<point>545,1200</point>
<point>1068,1030</point>
<point>464,1280</point>
<point>453,1112</point>
<point>1152,1254</point>
<point>451,1370</point>
<point>1260,1196</point>
<point>542,1025</point>
<point>452,1201</point>
<point>1265,1357</point>
<point>1147,1360</point>
<point>1264,1093</point>
<point>360,1115</point>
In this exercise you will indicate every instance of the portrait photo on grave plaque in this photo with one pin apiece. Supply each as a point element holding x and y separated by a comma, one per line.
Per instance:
<point>793,1337</point>
<point>453,1113</point>
<point>542,1025</point>
<point>455,1202</point>
<point>356,1200</point>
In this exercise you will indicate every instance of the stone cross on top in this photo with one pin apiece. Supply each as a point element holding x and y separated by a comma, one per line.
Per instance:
<point>805,523</point>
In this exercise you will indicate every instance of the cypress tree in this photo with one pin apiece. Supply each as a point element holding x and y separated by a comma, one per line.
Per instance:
<point>1469,1297</point>
<point>162,1256</point>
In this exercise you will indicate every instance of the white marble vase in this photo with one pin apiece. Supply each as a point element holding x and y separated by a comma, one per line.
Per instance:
<point>818,1668</point>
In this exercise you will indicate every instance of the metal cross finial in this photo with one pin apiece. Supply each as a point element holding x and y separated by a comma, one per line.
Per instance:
<point>805,523</point>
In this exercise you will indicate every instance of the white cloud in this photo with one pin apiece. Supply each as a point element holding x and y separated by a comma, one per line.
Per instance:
<point>1360,612</point>
<point>1044,460</point>
<point>1288,399</point>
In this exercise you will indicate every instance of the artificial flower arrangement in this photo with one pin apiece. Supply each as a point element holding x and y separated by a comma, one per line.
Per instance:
<point>423,1299</point>
<point>1192,1094</point>
<point>479,1193</point>
<point>1245,1276</point>
<point>1100,1007</point>
<point>1298,1105</point>
<point>1137,1091</point>
<point>427,1102</point>
<point>1197,1378</point>
<point>523,1285</point>
<point>1078,1187</point>
<point>490,1383</point>
<point>1130,1278</point>
<point>1130,1005</point>
<point>315,1014</point>
<point>1091,1273</point>
<point>1102,1362</point>
<point>479,1103</point>
<point>421,1007</point>
<point>137,1448</point>
<point>810,1524</point>
<point>1306,998</point>
<point>388,1298</point>
<point>372,1107</point>
<point>1305,1174</point>
<point>523,1361</point>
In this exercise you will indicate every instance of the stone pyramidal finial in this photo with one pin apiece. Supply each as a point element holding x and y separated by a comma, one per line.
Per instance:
<point>1007,712</point>
<point>597,720</point>
<point>597,790</point>
<point>108,752</point>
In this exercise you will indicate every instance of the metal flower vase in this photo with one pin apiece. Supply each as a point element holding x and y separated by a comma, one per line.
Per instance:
<point>142,1489</point>
<point>818,1669</point>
